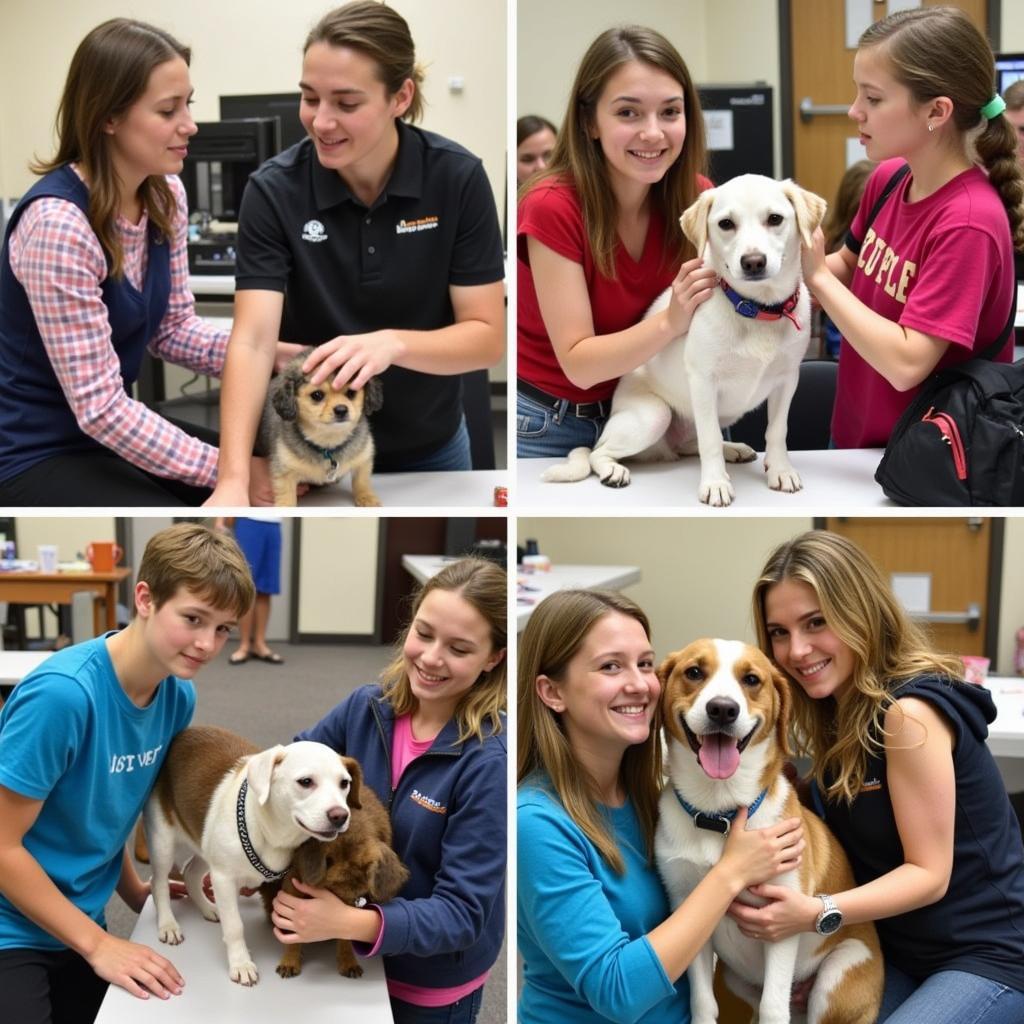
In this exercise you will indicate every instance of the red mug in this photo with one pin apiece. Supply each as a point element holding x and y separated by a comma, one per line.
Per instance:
<point>103,555</point>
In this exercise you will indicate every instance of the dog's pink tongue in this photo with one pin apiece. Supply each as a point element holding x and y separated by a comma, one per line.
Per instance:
<point>719,756</point>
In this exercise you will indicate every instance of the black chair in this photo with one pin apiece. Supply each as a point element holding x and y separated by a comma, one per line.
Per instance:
<point>810,415</point>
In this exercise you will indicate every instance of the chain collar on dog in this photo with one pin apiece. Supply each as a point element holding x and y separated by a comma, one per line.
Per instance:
<point>243,835</point>
<point>719,821</point>
<point>756,311</point>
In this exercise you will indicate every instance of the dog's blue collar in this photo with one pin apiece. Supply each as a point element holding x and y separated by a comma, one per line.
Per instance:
<point>243,835</point>
<point>718,821</point>
<point>758,311</point>
<point>327,453</point>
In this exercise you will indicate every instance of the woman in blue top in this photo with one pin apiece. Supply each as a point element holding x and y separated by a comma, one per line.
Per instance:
<point>595,933</point>
<point>431,744</point>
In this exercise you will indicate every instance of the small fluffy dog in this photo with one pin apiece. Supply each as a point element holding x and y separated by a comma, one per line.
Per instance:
<point>744,345</point>
<point>242,813</point>
<point>315,435</point>
<point>726,717</point>
<point>358,866</point>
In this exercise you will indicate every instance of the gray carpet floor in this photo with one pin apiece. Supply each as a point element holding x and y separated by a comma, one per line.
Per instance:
<point>269,704</point>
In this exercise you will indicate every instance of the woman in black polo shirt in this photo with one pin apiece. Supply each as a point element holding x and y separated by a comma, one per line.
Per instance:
<point>377,242</point>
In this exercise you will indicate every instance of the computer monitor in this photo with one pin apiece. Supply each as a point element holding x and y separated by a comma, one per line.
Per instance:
<point>282,105</point>
<point>1009,69</point>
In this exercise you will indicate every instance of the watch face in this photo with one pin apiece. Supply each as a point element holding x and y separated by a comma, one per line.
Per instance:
<point>829,922</point>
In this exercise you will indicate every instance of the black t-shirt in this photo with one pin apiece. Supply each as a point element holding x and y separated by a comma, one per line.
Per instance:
<point>978,926</point>
<point>345,268</point>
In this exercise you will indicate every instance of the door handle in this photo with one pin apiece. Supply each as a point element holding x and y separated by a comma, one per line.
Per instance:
<point>971,617</point>
<point>808,108</point>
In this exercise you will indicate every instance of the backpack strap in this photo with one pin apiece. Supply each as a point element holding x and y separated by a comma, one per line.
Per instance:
<point>852,241</point>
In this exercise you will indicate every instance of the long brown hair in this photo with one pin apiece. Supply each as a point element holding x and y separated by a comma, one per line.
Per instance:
<point>578,158</point>
<point>920,46</point>
<point>109,72</point>
<point>383,35</point>
<point>556,631</point>
<point>484,585</point>
<point>887,647</point>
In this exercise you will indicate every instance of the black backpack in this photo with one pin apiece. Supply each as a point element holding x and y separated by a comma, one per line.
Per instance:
<point>961,440</point>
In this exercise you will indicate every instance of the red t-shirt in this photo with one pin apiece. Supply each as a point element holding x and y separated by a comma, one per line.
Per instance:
<point>551,213</point>
<point>942,265</point>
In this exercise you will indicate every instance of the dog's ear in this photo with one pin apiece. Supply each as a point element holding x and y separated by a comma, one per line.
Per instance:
<point>260,771</point>
<point>664,670</point>
<point>309,861</point>
<point>694,220</point>
<point>387,876</point>
<point>373,396</point>
<point>810,209</point>
<point>282,393</point>
<point>354,769</point>
<point>785,702</point>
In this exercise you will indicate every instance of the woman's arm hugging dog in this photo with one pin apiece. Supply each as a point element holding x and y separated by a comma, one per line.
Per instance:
<point>314,434</point>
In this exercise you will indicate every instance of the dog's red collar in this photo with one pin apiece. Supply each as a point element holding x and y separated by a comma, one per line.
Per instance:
<point>756,311</point>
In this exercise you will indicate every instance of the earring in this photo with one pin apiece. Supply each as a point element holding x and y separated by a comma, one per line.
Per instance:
<point>931,127</point>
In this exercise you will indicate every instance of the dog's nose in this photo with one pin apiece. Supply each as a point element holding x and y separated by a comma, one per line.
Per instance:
<point>341,412</point>
<point>753,263</point>
<point>722,710</point>
<point>337,815</point>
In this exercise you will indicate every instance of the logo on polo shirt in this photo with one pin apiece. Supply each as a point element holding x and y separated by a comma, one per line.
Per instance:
<point>428,802</point>
<point>405,227</point>
<point>314,231</point>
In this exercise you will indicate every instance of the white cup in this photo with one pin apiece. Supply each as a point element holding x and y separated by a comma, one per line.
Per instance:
<point>48,557</point>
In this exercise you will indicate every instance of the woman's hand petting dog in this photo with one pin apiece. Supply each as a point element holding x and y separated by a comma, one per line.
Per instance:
<point>355,357</point>
<point>692,285</point>
<point>135,968</point>
<point>788,912</point>
<point>753,855</point>
<point>313,917</point>
<point>812,260</point>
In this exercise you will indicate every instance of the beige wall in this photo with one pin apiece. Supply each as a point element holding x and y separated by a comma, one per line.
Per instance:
<point>698,573</point>
<point>1013,27</point>
<point>249,46</point>
<point>71,534</point>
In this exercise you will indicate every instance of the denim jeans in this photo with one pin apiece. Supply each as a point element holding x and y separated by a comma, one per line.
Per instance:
<point>462,1012</point>
<point>949,997</point>
<point>546,433</point>
<point>453,454</point>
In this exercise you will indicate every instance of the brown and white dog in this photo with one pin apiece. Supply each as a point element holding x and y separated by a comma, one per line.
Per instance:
<point>726,715</point>
<point>241,813</point>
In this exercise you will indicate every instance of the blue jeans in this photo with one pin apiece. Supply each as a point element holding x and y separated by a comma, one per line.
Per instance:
<point>452,455</point>
<point>462,1012</point>
<point>546,433</point>
<point>949,997</point>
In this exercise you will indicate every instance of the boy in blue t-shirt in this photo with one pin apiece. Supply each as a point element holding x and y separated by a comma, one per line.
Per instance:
<point>81,741</point>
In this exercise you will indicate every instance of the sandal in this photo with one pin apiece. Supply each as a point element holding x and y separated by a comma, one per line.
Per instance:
<point>271,658</point>
<point>237,659</point>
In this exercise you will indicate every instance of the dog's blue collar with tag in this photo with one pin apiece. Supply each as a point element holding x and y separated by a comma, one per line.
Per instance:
<point>719,821</point>
<point>243,835</point>
<point>757,311</point>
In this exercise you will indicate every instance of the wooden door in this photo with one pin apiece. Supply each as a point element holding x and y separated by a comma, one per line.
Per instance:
<point>953,552</point>
<point>822,70</point>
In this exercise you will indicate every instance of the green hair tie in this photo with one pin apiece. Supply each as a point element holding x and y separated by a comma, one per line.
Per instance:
<point>994,107</point>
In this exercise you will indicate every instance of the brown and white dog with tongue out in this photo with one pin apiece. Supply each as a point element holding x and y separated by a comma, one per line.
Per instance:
<point>726,717</point>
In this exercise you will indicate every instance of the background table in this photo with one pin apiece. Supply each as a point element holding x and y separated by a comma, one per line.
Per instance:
<point>535,586</point>
<point>15,665</point>
<point>836,479</point>
<point>58,588</point>
<point>317,996</point>
<point>401,490</point>
<point>1006,733</point>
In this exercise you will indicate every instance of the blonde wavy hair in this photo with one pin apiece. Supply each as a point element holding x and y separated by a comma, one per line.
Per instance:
<point>483,585</point>
<point>887,647</point>
<point>554,634</point>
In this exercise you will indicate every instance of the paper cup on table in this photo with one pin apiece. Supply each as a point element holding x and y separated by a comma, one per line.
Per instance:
<point>975,668</point>
<point>47,557</point>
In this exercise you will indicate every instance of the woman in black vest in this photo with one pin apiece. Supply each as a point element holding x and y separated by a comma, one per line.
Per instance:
<point>910,789</point>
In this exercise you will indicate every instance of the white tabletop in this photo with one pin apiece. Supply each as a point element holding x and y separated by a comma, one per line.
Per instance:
<point>473,488</point>
<point>533,587</point>
<point>422,567</point>
<point>836,479</point>
<point>15,665</point>
<point>1006,733</point>
<point>317,996</point>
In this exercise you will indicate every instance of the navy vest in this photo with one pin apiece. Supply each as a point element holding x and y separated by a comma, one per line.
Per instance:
<point>36,421</point>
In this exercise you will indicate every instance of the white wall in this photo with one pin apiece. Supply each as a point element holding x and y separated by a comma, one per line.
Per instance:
<point>71,535</point>
<point>244,46</point>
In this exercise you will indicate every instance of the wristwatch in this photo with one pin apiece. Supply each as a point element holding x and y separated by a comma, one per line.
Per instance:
<point>831,917</point>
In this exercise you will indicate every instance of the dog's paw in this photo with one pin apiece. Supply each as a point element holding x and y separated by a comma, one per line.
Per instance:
<point>617,476</point>
<point>736,451</point>
<point>171,934</point>
<point>785,479</point>
<point>351,972</point>
<point>289,970</point>
<point>367,501</point>
<point>718,493</point>
<point>245,973</point>
<point>209,911</point>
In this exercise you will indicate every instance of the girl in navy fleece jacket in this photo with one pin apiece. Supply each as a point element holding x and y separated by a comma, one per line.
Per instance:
<point>430,739</point>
